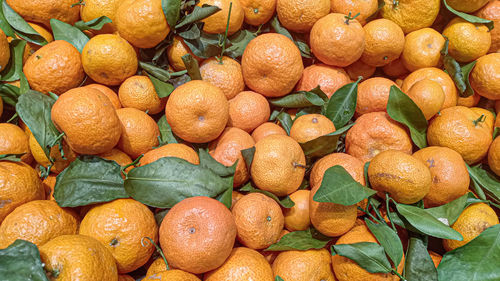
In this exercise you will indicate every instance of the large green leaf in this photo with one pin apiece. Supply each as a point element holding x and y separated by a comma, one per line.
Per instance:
<point>299,240</point>
<point>286,202</point>
<point>300,99</point>
<point>342,104</point>
<point>418,264</point>
<point>449,213</point>
<point>171,10</point>
<point>166,134</point>
<point>21,27</point>
<point>469,18</point>
<point>162,89</point>
<point>95,24</point>
<point>207,161</point>
<point>388,239</point>
<point>368,255</point>
<point>68,33</point>
<point>324,145</point>
<point>4,25</point>
<point>21,262</point>
<point>14,69</point>
<point>486,181</point>
<point>205,45</point>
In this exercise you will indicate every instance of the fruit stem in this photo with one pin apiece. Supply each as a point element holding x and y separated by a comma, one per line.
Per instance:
<point>158,249</point>
<point>394,272</point>
<point>395,3</point>
<point>387,198</point>
<point>79,3</point>
<point>481,119</point>
<point>350,17</point>
<point>131,164</point>
<point>219,59</point>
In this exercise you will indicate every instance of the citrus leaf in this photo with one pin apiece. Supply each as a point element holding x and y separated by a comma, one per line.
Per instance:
<point>14,69</point>
<point>304,49</point>
<point>11,157</point>
<point>4,25</point>
<point>403,109</point>
<point>466,69</point>
<point>88,180</point>
<point>388,239</point>
<point>278,279</point>
<point>204,46</point>
<point>275,24</point>
<point>192,31</point>
<point>342,104</point>
<point>95,24</point>
<point>155,71</point>
<point>21,27</point>
<point>286,202</point>
<point>419,265</point>
<point>166,134</point>
<point>449,213</point>
<point>486,181</point>
<point>20,262</point>
<point>285,121</point>
<point>470,18</point>
<point>207,161</point>
<point>197,14</point>
<point>162,89</point>
<point>298,240</point>
<point>171,10</point>
<point>68,33</point>
<point>324,145</point>
<point>192,67</point>
<point>315,97</point>
<point>455,71</point>
<point>368,255</point>
<point>239,42</point>
<point>248,155</point>
<point>226,197</point>
<point>475,261</point>
<point>308,110</point>
<point>9,94</point>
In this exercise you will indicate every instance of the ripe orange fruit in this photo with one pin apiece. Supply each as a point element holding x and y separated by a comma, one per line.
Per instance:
<point>300,16</point>
<point>97,8</point>
<point>139,92</point>
<point>259,220</point>
<point>60,163</point>
<point>217,22</point>
<point>258,12</point>
<point>112,96</point>
<point>304,265</point>
<point>4,51</point>
<point>109,59</point>
<point>48,185</point>
<point>365,8</point>
<point>67,256</point>
<point>278,165</point>
<point>235,196</point>
<point>468,41</point>
<point>248,110</point>
<point>242,264</point>
<point>42,11</point>
<point>139,132</point>
<point>359,68</point>
<point>470,101</point>
<point>157,266</point>
<point>178,150</point>
<point>428,96</point>
<point>411,15</point>
<point>197,234</point>
<point>30,48</point>
<point>226,76</point>
<point>270,256</point>
<point>176,51</point>
<point>352,165</point>
<point>267,129</point>
<point>484,76</point>
<point>337,41</point>
<point>491,11</point>
<point>422,49</point>
<point>56,67</point>
<point>436,258</point>
<point>227,150</point>
<point>467,6</point>
<point>373,95</point>
<point>297,217</point>
<point>197,111</point>
<point>310,126</point>
<point>396,68</point>
<point>125,277</point>
<point>88,120</point>
<point>494,156</point>
<point>384,42</point>
<point>329,78</point>
<point>1,107</point>
<point>13,140</point>
<point>172,275</point>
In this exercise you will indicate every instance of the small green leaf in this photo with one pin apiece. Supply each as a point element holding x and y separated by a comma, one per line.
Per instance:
<point>342,104</point>
<point>419,265</point>
<point>4,24</point>
<point>248,155</point>
<point>466,69</point>
<point>489,184</point>
<point>285,121</point>
<point>388,239</point>
<point>162,89</point>
<point>403,109</point>
<point>11,157</point>
<point>278,279</point>
<point>68,33</point>
<point>207,161</point>
<point>285,202</point>
<point>204,46</point>
<point>21,261</point>
<point>95,24</point>
<point>449,213</point>
<point>239,42</point>
<point>166,134</point>
<point>324,145</point>
<point>368,255</point>
<point>470,18</point>
<point>192,67</point>
<point>455,71</point>
<point>275,24</point>
<point>197,14</point>
<point>171,10</point>
<point>9,94</point>
<point>300,99</point>
<point>365,172</point>
<point>14,69</point>
<point>299,240</point>
<point>21,27</point>
<point>155,71</point>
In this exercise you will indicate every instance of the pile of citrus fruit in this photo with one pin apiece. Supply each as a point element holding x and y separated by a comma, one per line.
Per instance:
<point>249,140</point>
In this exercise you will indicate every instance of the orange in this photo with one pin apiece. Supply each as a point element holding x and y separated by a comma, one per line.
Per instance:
<point>359,68</point>
<point>48,185</point>
<point>42,11</point>
<point>172,275</point>
<point>227,150</point>
<point>70,256</point>
<point>139,132</point>
<point>60,163</point>
<point>473,220</point>
<point>88,120</point>
<point>384,42</point>
<point>4,51</point>
<point>329,78</point>
<point>178,150</point>
<point>270,256</point>
<point>197,234</point>
<point>139,92</point>
<point>396,68</point>
<point>157,266</point>
<point>176,51</point>
<point>37,222</point>
<point>491,11</point>
<point>468,41</point>
<point>112,96</point>
<point>485,76</point>
<point>334,40</point>
<point>259,220</point>
<point>461,129</point>
<point>411,15</point>
<point>422,49</point>
<point>365,8</point>
<point>271,65</point>
<point>242,264</point>
<point>494,156</point>
<point>109,59</point>
<point>373,95</point>
<point>300,15</point>
<point>267,129</point>
<point>226,75</point>
<point>56,67</point>
<point>258,12</point>
<point>120,225</point>
<point>248,110</point>
<point>97,8</point>
<point>30,48</point>
<point>436,258</point>
<point>197,111</point>
<point>450,178</point>
<point>120,157</point>
<point>467,6</point>
<point>436,75</point>
<point>278,165</point>
<point>297,217</point>
<point>217,22</point>
<point>428,96</point>
<point>13,140</point>
<point>125,277</point>
<point>235,196</point>
<point>304,265</point>
<point>470,101</point>
<point>310,126</point>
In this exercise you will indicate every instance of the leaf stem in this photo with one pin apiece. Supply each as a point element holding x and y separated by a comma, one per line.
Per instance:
<point>368,213</point>
<point>350,17</point>
<point>225,34</point>
<point>134,163</point>
<point>481,119</point>
<point>381,219</point>
<point>158,249</point>
<point>394,272</point>
<point>387,198</point>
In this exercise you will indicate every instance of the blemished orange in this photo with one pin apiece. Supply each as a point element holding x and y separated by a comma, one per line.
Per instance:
<point>172,275</point>
<point>411,15</point>
<point>259,220</point>
<point>494,156</point>
<point>485,76</point>
<point>13,140</point>
<point>139,132</point>
<point>242,264</point>
<point>197,111</point>
<point>109,59</point>
<point>360,69</point>
<point>310,126</point>
<point>328,78</point>
<point>248,110</point>
<point>121,225</point>
<point>471,222</point>
<point>258,12</point>
<point>4,51</point>
<point>365,8</point>
<point>373,95</point>
<point>278,165</point>
<point>139,92</point>
<point>297,217</point>
<point>176,51</point>
<point>395,69</point>
<point>197,234</point>
<point>422,49</point>
<point>271,65</point>
<point>157,266</point>
<point>491,11</point>
<point>467,6</point>
<point>178,150</point>
<point>217,22</point>
<point>226,75</point>
<point>300,15</point>
<point>226,149</point>
<point>88,120</point>
<point>468,41</point>
<point>78,255</point>
<point>37,222</point>
<point>336,40</point>
<point>56,67</point>
<point>42,11</point>
<point>267,129</point>
<point>97,8</point>
<point>428,96</point>
<point>112,96</point>
<point>463,130</point>
<point>384,42</point>
<point>314,264</point>
<point>59,162</point>
<point>450,178</point>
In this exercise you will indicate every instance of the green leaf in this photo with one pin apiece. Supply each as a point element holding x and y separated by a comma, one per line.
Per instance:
<point>419,265</point>
<point>204,46</point>
<point>365,173</point>
<point>342,104</point>
<point>166,134</point>
<point>449,213</point>
<point>11,157</point>
<point>285,202</point>
<point>68,33</point>
<point>226,198</point>
<point>388,239</point>
<point>160,216</point>
<point>171,10</point>
<point>285,121</point>
<point>207,161</point>
<point>21,27</point>
<point>192,67</point>
<point>305,50</point>
<point>197,14</point>
<point>34,109</point>
<point>87,180</point>
<point>9,94</point>
<point>275,24</point>
<point>169,180</point>
<point>20,262</point>
<point>278,279</point>
<point>95,24</point>
<point>469,18</point>
<point>308,110</point>
<point>466,69</point>
<point>239,42</point>
<point>300,99</point>
<point>14,69</point>
<point>4,25</point>
<point>162,89</point>
<point>475,261</point>
<point>298,240</point>
<point>248,155</point>
<point>368,255</point>
<point>455,71</point>
<point>324,145</point>
<point>192,31</point>
<point>403,109</point>
<point>155,71</point>
<point>486,181</point>
<point>339,187</point>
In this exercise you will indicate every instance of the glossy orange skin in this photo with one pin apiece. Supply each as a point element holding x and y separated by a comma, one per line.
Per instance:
<point>310,126</point>
<point>112,96</point>
<point>384,42</point>
<point>139,92</point>
<point>468,6</point>
<point>4,52</point>
<point>139,132</point>
<point>176,51</point>
<point>304,265</point>
<point>411,15</point>
<point>359,68</point>
<point>258,12</point>
<point>485,76</point>
<point>468,41</point>
<point>494,156</point>
<point>178,150</point>
<point>428,96</point>
<point>157,266</point>
<point>118,156</point>
<point>248,110</point>
<point>395,69</point>
<point>352,165</point>
<point>373,95</point>
<point>41,11</point>
<point>267,129</point>
<point>226,76</point>
<point>365,8</point>
<point>422,49</point>
<point>217,22</point>
<point>297,217</point>
<point>329,78</point>
<point>13,140</point>
<point>96,8</point>
<point>300,16</point>
<point>491,11</point>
